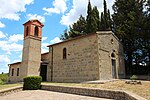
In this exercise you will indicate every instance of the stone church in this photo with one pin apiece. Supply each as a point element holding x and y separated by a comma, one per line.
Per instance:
<point>96,56</point>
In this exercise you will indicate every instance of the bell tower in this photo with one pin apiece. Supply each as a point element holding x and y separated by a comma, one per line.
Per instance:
<point>31,56</point>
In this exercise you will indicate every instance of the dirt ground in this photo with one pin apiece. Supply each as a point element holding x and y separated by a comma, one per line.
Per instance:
<point>46,95</point>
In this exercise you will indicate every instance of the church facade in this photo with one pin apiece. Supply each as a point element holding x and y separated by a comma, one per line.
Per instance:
<point>96,56</point>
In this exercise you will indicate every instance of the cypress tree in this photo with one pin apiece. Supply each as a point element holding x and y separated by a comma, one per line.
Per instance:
<point>96,16</point>
<point>102,22</point>
<point>105,23</point>
<point>91,21</point>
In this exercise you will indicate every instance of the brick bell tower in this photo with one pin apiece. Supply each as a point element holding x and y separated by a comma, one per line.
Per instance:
<point>31,56</point>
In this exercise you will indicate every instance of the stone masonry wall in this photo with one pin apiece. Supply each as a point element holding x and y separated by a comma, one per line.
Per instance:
<point>110,94</point>
<point>81,63</point>
<point>108,44</point>
<point>45,57</point>
<point>31,57</point>
<point>14,78</point>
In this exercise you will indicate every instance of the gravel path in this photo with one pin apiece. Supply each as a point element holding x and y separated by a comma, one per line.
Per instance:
<point>46,95</point>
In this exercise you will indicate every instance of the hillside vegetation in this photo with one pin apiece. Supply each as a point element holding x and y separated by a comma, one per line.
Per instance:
<point>3,78</point>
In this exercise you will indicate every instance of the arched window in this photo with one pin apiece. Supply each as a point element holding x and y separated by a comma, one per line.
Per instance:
<point>17,71</point>
<point>27,31</point>
<point>36,31</point>
<point>12,72</point>
<point>64,53</point>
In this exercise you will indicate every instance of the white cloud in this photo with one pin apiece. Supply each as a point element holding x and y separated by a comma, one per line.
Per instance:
<point>16,37</point>
<point>35,16</point>
<point>44,50</point>
<point>4,58</point>
<point>55,40</point>
<point>44,38</point>
<point>20,55</point>
<point>16,61</point>
<point>11,9</point>
<point>9,47</point>
<point>80,7</point>
<point>59,7</point>
<point>10,44</point>
<point>4,69</point>
<point>44,47</point>
<point>2,35</point>
<point>2,25</point>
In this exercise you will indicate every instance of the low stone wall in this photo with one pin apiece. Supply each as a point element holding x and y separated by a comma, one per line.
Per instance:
<point>110,94</point>
<point>10,90</point>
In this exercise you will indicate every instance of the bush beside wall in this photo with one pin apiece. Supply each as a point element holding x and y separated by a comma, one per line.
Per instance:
<point>32,82</point>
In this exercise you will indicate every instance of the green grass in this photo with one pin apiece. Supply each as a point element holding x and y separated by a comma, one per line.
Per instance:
<point>5,86</point>
<point>3,82</point>
<point>3,78</point>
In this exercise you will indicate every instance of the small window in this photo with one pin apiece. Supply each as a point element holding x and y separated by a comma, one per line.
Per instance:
<point>12,73</point>
<point>17,71</point>
<point>36,31</point>
<point>112,41</point>
<point>27,31</point>
<point>113,55</point>
<point>64,53</point>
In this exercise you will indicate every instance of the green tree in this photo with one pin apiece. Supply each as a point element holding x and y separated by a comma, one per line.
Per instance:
<point>76,29</point>
<point>105,22</point>
<point>91,20</point>
<point>146,35</point>
<point>127,19</point>
<point>65,35</point>
<point>96,16</point>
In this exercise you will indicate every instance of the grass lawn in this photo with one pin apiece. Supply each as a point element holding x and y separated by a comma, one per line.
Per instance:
<point>5,86</point>
<point>141,90</point>
<point>3,80</point>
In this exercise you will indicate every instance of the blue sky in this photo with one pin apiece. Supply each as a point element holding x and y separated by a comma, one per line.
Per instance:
<point>56,15</point>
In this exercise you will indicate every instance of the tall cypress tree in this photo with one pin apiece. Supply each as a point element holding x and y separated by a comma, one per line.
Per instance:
<point>96,16</point>
<point>102,22</point>
<point>105,23</point>
<point>91,21</point>
<point>105,15</point>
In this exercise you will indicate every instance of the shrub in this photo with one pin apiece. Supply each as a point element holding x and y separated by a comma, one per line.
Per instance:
<point>4,77</point>
<point>1,82</point>
<point>32,82</point>
<point>133,77</point>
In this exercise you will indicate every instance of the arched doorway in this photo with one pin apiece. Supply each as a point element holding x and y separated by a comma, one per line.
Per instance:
<point>43,72</point>
<point>113,62</point>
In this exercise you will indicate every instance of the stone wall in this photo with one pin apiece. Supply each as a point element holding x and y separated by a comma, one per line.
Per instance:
<point>45,57</point>
<point>81,63</point>
<point>108,44</point>
<point>10,90</point>
<point>31,57</point>
<point>14,78</point>
<point>110,94</point>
